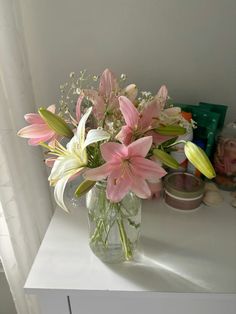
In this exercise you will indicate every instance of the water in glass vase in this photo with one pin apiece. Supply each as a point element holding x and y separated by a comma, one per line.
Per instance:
<point>114,228</point>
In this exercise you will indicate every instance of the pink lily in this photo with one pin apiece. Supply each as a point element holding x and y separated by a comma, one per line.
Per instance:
<point>105,100</point>
<point>167,116</point>
<point>127,169</point>
<point>106,97</point>
<point>137,124</point>
<point>38,131</point>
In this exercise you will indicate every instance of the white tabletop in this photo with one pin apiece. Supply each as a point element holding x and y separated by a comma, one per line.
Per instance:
<point>179,252</point>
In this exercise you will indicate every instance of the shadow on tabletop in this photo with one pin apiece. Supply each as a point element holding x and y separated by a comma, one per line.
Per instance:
<point>155,269</point>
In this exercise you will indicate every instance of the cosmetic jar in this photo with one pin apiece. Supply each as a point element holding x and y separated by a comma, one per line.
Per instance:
<point>183,190</point>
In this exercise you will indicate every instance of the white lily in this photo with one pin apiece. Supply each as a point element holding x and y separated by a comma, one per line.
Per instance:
<point>73,159</point>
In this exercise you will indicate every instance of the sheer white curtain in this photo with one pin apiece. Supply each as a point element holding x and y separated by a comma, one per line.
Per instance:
<point>24,194</point>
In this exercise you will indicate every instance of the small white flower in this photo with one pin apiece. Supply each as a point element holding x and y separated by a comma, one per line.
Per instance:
<point>123,77</point>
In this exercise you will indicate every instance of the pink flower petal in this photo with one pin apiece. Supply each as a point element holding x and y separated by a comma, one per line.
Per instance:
<point>108,84</point>
<point>36,131</point>
<point>125,135</point>
<point>162,96</point>
<point>117,187</point>
<point>36,141</point>
<point>99,107</point>
<point>158,138</point>
<point>130,113</point>
<point>151,111</point>
<point>140,147</point>
<point>98,173</point>
<point>146,169</point>
<point>141,188</point>
<point>33,118</point>
<point>111,152</point>
<point>78,107</point>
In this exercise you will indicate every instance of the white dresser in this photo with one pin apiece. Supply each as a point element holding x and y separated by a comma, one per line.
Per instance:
<point>186,264</point>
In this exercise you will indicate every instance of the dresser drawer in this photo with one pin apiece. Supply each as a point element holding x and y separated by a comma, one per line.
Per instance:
<point>152,303</point>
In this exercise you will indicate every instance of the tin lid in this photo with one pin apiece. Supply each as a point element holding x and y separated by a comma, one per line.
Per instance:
<point>183,184</point>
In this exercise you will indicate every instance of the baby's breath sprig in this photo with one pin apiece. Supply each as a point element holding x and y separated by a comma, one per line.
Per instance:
<point>71,90</point>
<point>122,79</point>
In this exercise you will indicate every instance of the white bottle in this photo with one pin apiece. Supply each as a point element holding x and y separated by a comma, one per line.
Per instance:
<point>178,153</point>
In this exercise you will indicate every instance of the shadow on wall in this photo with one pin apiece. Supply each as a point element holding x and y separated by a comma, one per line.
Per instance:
<point>6,302</point>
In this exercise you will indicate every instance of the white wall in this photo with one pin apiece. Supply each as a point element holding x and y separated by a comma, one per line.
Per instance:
<point>188,44</point>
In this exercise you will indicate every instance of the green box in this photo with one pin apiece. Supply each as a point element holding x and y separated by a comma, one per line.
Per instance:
<point>210,120</point>
<point>220,109</point>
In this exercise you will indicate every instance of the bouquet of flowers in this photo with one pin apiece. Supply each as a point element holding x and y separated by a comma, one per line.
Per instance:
<point>103,130</point>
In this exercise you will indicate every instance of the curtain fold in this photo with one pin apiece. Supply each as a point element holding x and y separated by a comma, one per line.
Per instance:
<point>24,193</point>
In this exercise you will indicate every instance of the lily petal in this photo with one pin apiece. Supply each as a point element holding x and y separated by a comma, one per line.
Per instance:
<point>33,118</point>
<point>141,188</point>
<point>140,147</point>
<point>158,138</point>
<point>117,188</point>
<point>38,140</point>
<point>151,111</point>
<point>113,150</point>
<point>130,113</point>
<point>80,133</point>
<point>78,107</point>
<point>146,168</point>
<point>63,166</point>
<point>60,188</point>
<point>96,135</point>
<point>98,173</point>
<point>99,105</point>
<point>59,192</point>
<point>108,84</point>
<point>125,135</point>
<point>35,131</point>
<point>162,96</point>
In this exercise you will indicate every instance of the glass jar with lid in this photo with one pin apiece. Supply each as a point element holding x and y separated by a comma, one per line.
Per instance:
<point>225,158</point>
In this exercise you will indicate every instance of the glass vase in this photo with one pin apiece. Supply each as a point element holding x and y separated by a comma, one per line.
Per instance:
<point>114,228</point>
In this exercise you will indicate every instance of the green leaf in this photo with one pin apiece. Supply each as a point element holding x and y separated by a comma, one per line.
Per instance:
<point>57,124</point>
<point>165,158</point>
<point>171,130</point>
<point>84,187</point>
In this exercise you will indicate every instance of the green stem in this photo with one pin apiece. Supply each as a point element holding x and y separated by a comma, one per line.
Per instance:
<point>97,231</point>
<point>176,143</point>
<point>124,240</point>
<point>108,231</point>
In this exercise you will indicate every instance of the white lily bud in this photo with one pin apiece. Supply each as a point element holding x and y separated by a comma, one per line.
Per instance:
<point>131,92</point>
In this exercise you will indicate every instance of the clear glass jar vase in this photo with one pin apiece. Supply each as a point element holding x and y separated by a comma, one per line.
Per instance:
<point>114,228</point>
